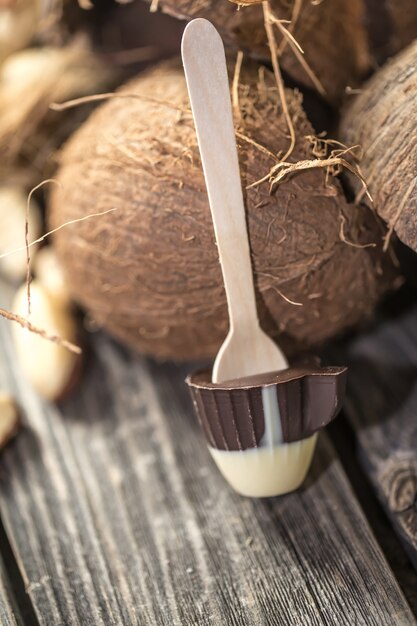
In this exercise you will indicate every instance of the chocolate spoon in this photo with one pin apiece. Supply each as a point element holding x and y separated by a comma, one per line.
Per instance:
<point>261,433</point>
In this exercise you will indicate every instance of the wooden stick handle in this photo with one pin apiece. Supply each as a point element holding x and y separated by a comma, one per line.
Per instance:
<point>208,85</point>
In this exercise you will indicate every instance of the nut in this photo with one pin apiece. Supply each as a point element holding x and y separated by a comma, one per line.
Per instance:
<point>9,418</point>
<point>48,366</point>
<point>49,272</point>
<point>13,202</point>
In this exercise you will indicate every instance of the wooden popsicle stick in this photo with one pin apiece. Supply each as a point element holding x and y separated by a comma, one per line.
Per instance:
<point>207,80</point>
<point>247,349</point>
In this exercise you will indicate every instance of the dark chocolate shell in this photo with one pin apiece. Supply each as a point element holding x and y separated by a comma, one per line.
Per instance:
<point>267,409</point>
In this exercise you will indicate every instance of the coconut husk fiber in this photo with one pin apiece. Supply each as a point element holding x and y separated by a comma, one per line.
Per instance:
<point>383,120</point>
<point>149,271</point>
<point>331,34</point>
<point>30,80</point>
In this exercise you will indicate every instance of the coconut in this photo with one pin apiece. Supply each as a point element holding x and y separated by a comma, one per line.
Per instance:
<point>18,22</point>
<point>391,26</point>
<point>24,22</point>
<point>331,35</point>
<point>149,271</point>
<point>382,119</point>
<point>30,81</point>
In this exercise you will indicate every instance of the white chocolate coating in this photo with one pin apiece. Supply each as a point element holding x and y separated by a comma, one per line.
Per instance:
<point>268,470</point>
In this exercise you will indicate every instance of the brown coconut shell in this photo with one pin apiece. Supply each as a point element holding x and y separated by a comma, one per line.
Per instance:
<point>149,271</point>
<point>331,34</point>
<point>391,26</point>
<point>382,119</point>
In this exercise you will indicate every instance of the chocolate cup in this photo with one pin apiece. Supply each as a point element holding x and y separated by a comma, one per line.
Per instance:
<point>267,409</point>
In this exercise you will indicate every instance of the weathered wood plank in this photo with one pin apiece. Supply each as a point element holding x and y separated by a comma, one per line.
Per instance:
<point>117,516</point>
<point>345,442</point>
<point>382,407</point>
<point>8,611</point>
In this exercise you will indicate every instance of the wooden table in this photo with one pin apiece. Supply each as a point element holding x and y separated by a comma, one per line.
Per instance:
<point>114,514</point>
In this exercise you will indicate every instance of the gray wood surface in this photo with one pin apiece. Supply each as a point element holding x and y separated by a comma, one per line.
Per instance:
<point>116,516</point>
<point>8,611</point>
<point>382,407</point>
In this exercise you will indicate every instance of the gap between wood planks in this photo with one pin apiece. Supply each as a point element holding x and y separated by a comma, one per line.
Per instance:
<point>344,440</point>
<point>25,613</point>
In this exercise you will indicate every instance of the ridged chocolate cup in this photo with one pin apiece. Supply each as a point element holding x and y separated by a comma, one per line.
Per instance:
<point>262,430</point>
<point>273,408</point>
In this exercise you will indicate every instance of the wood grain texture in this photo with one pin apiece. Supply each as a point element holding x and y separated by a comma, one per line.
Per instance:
<point>7,609</point>
<point>382,407</point>
<point>117,516</point>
